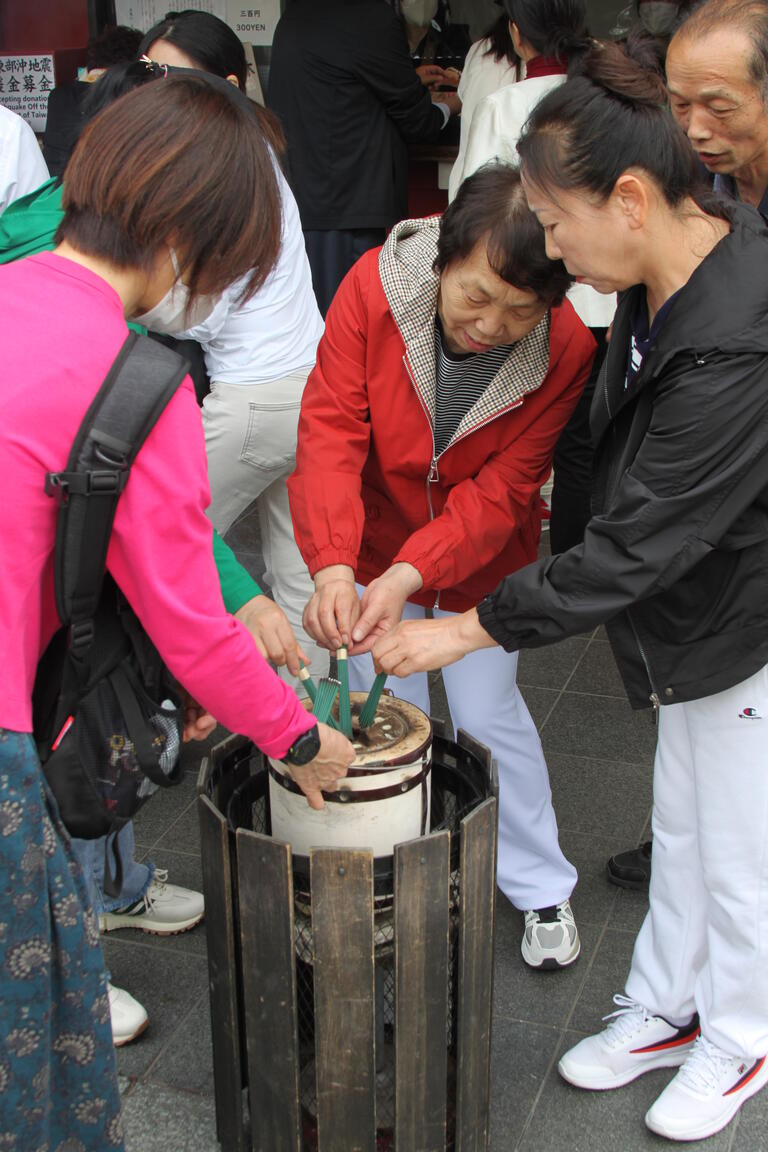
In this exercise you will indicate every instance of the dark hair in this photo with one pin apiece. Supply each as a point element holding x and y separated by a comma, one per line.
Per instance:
<point>141,176</point>
<point>491,206</point>
<point>750,16</point>
<point>205,39</point>
<point>501,46</point>
<point>613,116</point>
<point>115,45</point>
<point>213,47</point>
<point>552,27</point>
<point>115,82</point>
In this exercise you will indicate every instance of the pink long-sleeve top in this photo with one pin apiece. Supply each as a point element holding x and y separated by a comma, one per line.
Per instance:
<point>61,327</point>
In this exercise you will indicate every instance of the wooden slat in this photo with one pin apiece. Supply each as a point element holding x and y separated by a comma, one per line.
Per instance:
<point>265,888</point>
<point>342,923</point>
<point>222,976</point>
<point>422,879</point>
<point>481,751</point>
<point>478,888</point>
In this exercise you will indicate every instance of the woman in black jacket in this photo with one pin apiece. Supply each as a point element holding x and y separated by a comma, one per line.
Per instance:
<point>674,562</point>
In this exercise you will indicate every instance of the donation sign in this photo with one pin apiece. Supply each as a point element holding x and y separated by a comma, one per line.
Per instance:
<point>253,22</point>
<point>25,82</point>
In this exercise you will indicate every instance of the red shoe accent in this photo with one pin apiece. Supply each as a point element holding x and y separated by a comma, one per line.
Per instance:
<point>746,1077</point>
<point>677,1042</point>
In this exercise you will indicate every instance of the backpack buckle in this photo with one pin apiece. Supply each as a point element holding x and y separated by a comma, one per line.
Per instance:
<point>57,486</point>
<point>81,636</point>
<point>103,483</point>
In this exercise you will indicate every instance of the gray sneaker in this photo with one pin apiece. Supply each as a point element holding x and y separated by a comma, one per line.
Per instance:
<point>551,938</point>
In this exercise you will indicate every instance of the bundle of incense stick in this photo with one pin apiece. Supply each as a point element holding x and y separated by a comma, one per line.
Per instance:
<point>345,709</point>
<point>372,703</point>
<point>311,688</point>
<point>324,699</point>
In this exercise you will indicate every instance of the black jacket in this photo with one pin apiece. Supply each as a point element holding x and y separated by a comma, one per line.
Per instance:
<point>346,90</point>
<point>675,559</point>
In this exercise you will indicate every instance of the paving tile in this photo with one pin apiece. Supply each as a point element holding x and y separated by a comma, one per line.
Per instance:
<point>183,835</point>
<point>629,911</point>
<point>167,984</point>
<point>552,666</point>
<point>522,993</point>
<point>540,703</point>
<point>176,1067</point>
<point>596,673</point>
<point>599,796</point>
<point>607,976</point>
<point>569,1118</point>
<point>162,810</point>
<point>600,727</point>
<point>158,1119</point>
<point>750,1129</point>
<point>245,534</point>
<point>521,1054</point>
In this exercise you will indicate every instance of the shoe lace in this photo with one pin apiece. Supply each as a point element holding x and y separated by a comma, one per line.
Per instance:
<point>156,887</point>
<point>626,1021</point>
<point>705,1066</point>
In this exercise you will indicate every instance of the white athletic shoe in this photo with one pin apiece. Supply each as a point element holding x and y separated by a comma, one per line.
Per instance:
<point>129,1018</point>
<point>706,1094</point>
<point>551,938</point>
<point>164,909</point>
<point>633,1043</point>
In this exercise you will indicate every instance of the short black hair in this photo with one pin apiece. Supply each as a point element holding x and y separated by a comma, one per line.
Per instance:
<point>117,44</point>
<point>491,206</point>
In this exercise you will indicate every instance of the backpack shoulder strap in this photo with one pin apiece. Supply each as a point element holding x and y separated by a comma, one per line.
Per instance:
<point>139,385</point>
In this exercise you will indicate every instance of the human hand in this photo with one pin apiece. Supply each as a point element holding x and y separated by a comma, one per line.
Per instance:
<point>198,724</point>
<point>423,645</point>
<point>382,605</point>
<point>272,633</point>
<point>331,614</point>
<point>431,75</point>
<point>324,772</point>
<point>452,101</point>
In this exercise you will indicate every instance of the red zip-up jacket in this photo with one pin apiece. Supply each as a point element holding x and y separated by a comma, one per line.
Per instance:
<point>367,490</point>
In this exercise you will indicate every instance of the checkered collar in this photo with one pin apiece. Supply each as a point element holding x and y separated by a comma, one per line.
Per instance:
<point>411,287</point>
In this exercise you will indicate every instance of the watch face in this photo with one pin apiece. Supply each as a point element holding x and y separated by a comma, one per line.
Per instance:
<point>305,748</point>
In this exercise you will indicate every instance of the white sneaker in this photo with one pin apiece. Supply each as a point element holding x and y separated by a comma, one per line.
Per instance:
<point>633,1043</point>
<point>550,939</point>
<point>129,1018</point>
<point>164,909</point>
<point>706,1094</point>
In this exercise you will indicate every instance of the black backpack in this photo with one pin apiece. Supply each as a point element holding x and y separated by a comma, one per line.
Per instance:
<point>107,715</point>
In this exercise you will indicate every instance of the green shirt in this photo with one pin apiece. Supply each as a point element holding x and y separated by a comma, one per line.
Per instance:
<point>29,226</point>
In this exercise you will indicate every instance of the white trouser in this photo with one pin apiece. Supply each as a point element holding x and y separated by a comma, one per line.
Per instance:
<point>485,701</point>
<point>250,440</point>
<point>704,944</point>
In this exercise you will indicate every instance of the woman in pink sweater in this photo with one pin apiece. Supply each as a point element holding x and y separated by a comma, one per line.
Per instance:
<point>170,195</point>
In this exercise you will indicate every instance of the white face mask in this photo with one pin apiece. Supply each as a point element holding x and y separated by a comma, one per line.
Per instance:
<point>658,16</point>
<point>172,314</point>
<point>419,13</point>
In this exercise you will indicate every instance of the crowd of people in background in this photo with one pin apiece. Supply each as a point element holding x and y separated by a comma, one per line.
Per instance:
<point>392,396</point>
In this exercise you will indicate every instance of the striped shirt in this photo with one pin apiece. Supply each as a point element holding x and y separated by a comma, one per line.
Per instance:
<point>461,381</point>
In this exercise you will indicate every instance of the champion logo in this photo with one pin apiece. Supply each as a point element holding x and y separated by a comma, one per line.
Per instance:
<point>749,714</point>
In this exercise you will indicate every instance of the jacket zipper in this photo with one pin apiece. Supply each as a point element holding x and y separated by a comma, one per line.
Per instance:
<point>433,476</point>
<point>654,696</point>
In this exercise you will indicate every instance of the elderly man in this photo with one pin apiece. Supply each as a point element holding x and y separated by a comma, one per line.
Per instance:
<point>717,75</point>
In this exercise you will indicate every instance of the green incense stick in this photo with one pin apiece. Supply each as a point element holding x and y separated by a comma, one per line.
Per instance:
<point>345,710</point>
<point>372,703</point>
<point>326,694</point>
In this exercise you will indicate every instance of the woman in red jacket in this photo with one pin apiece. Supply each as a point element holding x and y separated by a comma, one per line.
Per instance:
<point>449,365</point>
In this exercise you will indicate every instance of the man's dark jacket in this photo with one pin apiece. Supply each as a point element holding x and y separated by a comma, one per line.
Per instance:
<point>675,559</point>
<point>350,100</point>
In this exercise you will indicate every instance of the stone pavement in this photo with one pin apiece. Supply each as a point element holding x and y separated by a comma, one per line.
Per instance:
<point>600,755</point>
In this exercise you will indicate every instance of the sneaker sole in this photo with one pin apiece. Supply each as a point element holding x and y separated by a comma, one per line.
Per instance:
<point>549,964</point>
<point>716,1125</point>
<point>123,1040</point>
<point>109,922</point>
<point>622,1078</point>
<point>632,885</point>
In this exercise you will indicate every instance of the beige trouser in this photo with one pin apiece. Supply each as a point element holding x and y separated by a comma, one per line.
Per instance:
<point>250,439</point>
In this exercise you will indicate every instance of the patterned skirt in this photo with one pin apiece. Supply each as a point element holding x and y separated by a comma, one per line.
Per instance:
<point>58,1078</point>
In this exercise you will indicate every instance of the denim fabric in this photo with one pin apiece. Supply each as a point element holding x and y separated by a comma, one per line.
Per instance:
<point>58,1078</point>
<point>136,877</point>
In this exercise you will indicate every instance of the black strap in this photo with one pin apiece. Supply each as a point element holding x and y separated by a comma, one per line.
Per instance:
<point>139,385</point>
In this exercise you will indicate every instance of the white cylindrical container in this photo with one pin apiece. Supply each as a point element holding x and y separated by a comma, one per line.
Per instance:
<point>383,800</point>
